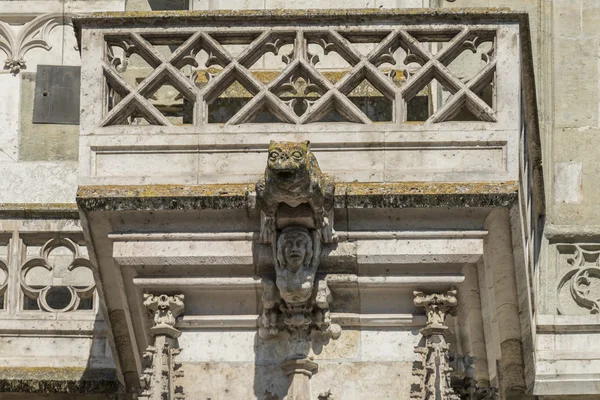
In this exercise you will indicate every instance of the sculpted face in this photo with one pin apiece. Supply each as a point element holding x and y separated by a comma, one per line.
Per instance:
<point>294,249</point>
<point>287,159</point>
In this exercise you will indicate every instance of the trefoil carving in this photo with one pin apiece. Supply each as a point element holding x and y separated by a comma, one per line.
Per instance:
<point>400,66</point>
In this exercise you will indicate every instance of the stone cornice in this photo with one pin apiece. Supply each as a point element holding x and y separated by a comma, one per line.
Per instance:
<point>348,195</point>
<point>317,16</point>
<point>39,210</point>
<point>58,380</point>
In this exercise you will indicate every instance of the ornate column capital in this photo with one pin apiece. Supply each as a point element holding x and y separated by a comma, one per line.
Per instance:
<point>437,307</point>
<point>434,367</point>
<point>166,309</point>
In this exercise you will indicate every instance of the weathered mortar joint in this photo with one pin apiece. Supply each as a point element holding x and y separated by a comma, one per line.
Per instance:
<point>160,372</point>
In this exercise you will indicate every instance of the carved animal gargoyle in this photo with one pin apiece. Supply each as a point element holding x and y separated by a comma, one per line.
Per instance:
<point>293,177</point>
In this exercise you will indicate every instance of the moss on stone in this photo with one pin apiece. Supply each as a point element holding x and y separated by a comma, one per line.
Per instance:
<point>58,380</point>
<point>348,195</point>
<point>39,210</point>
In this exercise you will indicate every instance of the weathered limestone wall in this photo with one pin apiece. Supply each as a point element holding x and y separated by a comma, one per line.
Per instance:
<point>359,364</point>
<point>38,164</point>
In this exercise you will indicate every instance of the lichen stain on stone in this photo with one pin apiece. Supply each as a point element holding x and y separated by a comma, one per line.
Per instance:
<point>148,191</point>
<point>58,380</point>
<point>39,210</point>
<point>311,16</point>
<point>424,188</point>
<point>348,195</point>
<point>282,12</point>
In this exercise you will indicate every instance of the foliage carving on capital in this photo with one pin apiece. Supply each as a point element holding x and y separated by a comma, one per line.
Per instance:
<point>160,373</point>
<point>434,366</point>
<point>165,310</point>
<point>437,307</point>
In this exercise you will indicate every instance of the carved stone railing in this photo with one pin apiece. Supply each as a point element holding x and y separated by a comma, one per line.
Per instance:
<point>435,77</point>
<point>314,73</point>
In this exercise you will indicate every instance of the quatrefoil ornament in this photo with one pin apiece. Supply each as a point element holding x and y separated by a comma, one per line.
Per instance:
<point>63,281</point>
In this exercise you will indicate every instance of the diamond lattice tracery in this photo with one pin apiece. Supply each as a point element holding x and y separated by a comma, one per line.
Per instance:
<point>307,86</point>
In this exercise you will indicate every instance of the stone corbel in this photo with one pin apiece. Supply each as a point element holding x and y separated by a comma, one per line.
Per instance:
<point>160,372</point>
<point>296,201</point>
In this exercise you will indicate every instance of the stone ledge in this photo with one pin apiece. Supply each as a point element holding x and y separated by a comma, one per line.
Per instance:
<point>414,15</point>
<point>348,195</point>
<point>572,233</point>
<point>58,380</point>
<point>39,210</point>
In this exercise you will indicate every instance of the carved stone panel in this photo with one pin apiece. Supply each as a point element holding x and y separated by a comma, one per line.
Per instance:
<point>58,278</point>
<point>323,75</point>
<point>34,34</point>
<point>578,289</point>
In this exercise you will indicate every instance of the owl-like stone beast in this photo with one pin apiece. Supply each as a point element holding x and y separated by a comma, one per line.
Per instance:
<point>293,177</point>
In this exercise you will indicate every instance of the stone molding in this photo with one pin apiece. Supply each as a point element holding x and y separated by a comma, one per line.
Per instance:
<point>348,195</point>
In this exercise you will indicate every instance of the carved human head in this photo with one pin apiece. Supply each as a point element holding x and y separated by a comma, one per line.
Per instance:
<point>288,160</point>
<point>294,248</point>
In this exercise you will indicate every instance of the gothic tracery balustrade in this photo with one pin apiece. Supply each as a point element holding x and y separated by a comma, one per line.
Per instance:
<point>390,74</point>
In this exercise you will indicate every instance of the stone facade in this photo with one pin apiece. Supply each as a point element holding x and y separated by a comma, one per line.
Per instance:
<point>274,200</point>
